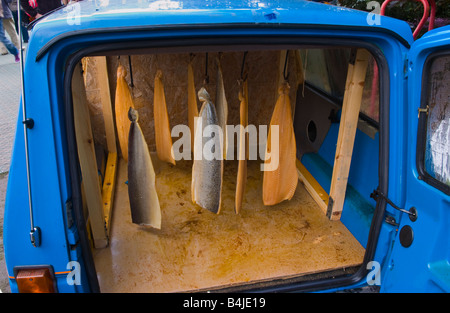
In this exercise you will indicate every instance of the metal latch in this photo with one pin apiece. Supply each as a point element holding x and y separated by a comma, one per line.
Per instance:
<point>423,110</point>
<point>35,236</point>
<point>377,193</point>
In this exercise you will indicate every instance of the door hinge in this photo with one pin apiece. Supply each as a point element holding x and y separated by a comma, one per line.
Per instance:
<point>405,68</point>
<point>391,220</point>
<point>376,194</point>
<point>423,110</point>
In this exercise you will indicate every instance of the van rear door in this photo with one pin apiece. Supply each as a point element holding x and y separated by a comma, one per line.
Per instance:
<point>420,257</point>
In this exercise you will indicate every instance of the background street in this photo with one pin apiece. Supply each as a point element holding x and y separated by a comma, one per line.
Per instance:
<point>9,105</point>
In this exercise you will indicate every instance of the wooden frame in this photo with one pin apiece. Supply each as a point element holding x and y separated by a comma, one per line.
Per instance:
<point>354,86</point>
<point>332,204</point>
<point>313,187</point>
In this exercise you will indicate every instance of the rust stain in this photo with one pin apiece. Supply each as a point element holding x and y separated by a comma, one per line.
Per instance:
<point>198,249</point>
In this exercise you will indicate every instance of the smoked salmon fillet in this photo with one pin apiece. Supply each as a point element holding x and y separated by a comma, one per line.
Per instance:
<point>163,137</point>
<point>243,148</point>
<point>207,170</point>
<point>279,183</point>
<point>221,107</point>
<point>144,202</point>
<point>123,103</point>
<point>192,104</point>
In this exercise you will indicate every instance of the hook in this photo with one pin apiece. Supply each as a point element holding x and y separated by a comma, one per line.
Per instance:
<point>131,72</point>
<point>206,80</point>
<point>286,76</point>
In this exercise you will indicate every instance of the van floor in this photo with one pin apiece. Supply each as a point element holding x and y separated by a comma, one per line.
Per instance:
<point>197,250</point>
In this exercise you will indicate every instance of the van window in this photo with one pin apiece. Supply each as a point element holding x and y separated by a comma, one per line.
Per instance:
<point>326,70</point>
<point>437,146</point>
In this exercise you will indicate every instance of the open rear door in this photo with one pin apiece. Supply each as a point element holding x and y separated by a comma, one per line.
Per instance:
<point>421,253</point>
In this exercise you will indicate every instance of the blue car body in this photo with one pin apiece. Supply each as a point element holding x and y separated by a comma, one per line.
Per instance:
<point>59,40</point>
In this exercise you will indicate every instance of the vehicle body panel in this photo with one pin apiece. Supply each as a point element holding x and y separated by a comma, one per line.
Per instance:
<point>424,265</point>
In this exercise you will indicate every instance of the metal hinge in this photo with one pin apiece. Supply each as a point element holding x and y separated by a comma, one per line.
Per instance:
<point>405,68</point>
<point>391,220</point>
<point>423,110</point>
<point>377,194</point>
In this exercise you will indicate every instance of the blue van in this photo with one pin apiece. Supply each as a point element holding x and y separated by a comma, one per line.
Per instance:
<point>370,115</point>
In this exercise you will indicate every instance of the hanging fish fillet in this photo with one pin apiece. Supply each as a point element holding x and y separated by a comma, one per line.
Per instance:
<point>280,184</point>
<point>123,103</point>
<point>243,148</point>
<point>192,103</point>
<point>162,127</point>
<point>221,107</point>
<point>144,203</point>
<point>207,171</point>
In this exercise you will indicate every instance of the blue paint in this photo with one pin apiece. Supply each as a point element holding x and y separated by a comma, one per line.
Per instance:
<point>423,267</point>
<point>363,179</point>
<point>440,273</point>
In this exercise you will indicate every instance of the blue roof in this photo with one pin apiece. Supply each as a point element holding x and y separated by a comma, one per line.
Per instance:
<point>91,14</point>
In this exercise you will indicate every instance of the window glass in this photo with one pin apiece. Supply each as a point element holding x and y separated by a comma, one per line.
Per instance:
<point>326,70</point>
<point>315,69</point>
<point>370,102</point>
<point>437,148</point>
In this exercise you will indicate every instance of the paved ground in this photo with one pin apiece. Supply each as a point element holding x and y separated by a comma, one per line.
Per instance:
<point>9,105</point>
<point>4,284</point>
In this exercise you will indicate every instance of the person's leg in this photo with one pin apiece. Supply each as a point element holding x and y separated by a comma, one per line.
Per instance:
<point>8,44</point>
<point>8,25</point>
<point>3,50</point>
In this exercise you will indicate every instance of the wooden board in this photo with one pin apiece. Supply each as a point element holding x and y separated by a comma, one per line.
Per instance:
<point>105,95</point>
<point>109,184</point>
<point>347,130</point>
<point>110,134</point>
<point>313,187</point>
<point>196,249</point>
<point>86,156</point>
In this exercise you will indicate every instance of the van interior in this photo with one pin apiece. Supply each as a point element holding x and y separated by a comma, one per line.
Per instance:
<point>321,231</point>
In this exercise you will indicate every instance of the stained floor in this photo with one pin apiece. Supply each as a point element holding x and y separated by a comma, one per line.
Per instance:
<point>196,249</point>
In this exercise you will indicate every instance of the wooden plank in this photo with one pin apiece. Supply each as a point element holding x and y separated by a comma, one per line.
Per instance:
<point>108,188</point>
<point>86,156</point>
<point>347,131</point>
<point>110,132</point>
<point>312,186</point>
<point>105,96</point>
